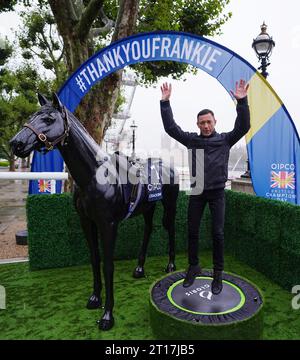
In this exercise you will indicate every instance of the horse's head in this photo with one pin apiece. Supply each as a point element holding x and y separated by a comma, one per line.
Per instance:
<point>46,128</point>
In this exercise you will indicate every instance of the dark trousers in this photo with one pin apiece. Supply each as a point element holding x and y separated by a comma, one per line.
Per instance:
<point>197,203</point>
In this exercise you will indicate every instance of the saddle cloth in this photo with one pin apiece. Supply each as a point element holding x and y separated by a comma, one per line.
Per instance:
<point>140,179</point>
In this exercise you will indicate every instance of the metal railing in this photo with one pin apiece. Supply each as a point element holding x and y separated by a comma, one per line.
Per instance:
<point>12,175</point>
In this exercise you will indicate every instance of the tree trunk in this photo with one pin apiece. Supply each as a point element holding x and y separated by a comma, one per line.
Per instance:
<point>23,163</point>
<point>69,183</point>
<point>101,103</point>
<point>96,109</point>
<point>28,162</point>
<point>12,166</point>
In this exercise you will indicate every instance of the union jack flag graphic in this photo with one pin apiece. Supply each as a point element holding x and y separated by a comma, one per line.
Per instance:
<point>283,180</point>
<point>46,186</point>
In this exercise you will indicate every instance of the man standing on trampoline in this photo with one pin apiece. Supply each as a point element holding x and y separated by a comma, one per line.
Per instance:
<point>216,153</point>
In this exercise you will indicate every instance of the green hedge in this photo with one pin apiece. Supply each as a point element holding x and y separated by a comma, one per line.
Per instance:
<point>263,233</point>
<point>55,237</point>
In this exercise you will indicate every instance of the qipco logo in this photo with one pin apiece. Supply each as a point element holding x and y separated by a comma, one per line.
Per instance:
<point>2,298</point>
<point>296,299</point>
<point>153,187</point>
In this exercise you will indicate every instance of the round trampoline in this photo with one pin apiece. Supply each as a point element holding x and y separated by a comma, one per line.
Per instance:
<point>181,313</point>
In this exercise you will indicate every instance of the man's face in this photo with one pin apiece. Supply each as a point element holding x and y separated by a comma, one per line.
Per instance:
<point>206,123</point>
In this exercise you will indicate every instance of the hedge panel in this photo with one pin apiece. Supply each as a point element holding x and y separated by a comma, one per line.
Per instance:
<point>263,233</point>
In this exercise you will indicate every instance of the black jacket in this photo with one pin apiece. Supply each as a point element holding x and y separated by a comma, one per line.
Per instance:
<point>216,146</point>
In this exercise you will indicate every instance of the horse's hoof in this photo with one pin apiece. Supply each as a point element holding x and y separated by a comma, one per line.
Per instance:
<point>106,324</point>
<point>93,303</point>
<point>138,272</point>
<point>170,268</point>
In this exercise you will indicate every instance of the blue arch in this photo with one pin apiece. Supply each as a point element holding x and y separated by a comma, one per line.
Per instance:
<point>272,142</point>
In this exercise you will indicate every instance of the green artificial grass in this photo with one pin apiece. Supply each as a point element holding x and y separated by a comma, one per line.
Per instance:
<point>50,304</point>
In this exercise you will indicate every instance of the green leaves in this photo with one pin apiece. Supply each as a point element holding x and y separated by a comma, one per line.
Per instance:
<point>49,35</point>
<point>203,18</point>
<point>5,51</point>
<point>200,17</point>
<point>18,100</point>
<point>39,40</point>
<point>7,5</point>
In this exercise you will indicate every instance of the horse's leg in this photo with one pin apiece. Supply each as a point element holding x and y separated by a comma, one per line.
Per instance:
<point>148,218</point>
<point>90,230</point>
<point>108,232</point>
<point>169,200</point>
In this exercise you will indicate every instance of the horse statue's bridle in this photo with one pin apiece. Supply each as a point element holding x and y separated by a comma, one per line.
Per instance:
<point>62,138</point>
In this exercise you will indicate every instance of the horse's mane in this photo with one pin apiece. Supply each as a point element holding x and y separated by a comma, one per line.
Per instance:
<point>80,131</point>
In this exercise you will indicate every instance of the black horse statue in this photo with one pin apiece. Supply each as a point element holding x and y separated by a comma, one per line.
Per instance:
<point>101,204</point>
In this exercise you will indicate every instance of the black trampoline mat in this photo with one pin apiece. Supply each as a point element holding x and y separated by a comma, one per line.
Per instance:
<point>238,300</point>
<point>198,298</point>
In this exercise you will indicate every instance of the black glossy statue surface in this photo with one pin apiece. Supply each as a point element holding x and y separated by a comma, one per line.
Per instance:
<point>101,204</point>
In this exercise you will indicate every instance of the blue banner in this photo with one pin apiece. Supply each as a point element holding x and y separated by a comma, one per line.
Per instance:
<point>272,142</point>
<point>50,162</point>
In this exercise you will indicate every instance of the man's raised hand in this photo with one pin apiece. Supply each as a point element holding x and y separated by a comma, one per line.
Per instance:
<point>166,90</point>
<point>241,90</point>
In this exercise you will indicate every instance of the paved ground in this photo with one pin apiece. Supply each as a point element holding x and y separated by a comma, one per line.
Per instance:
<point>13,195</point>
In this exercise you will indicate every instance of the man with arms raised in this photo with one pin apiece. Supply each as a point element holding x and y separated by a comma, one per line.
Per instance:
<point>216,149</point>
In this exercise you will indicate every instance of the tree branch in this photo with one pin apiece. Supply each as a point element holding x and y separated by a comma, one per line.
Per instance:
<point>50,34</point>
<point>87,18</point>
<point>5,150</point>
<point>78,7</point>
<point>61,40</point>
<point>61,55</point>
<point>48,49</point>
<point>104,18</point>
<point>99,31</point>
<point>60,10</point>
<point>126,20</point>
<point>71,10</point>
<point>109,24</point>
<point>51,37</point>
<point>35,52</point>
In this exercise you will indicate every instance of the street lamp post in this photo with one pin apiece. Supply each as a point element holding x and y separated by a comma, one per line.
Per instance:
<point>133,127</point>
<point>263,45</point>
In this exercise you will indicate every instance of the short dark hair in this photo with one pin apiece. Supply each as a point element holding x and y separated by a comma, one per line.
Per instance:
<point>205,112</point>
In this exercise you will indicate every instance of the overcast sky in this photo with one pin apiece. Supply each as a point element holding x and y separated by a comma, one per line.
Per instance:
<point>203,91</point>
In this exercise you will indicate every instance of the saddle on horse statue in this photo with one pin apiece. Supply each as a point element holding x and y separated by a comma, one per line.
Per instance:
<point>139,179</point>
